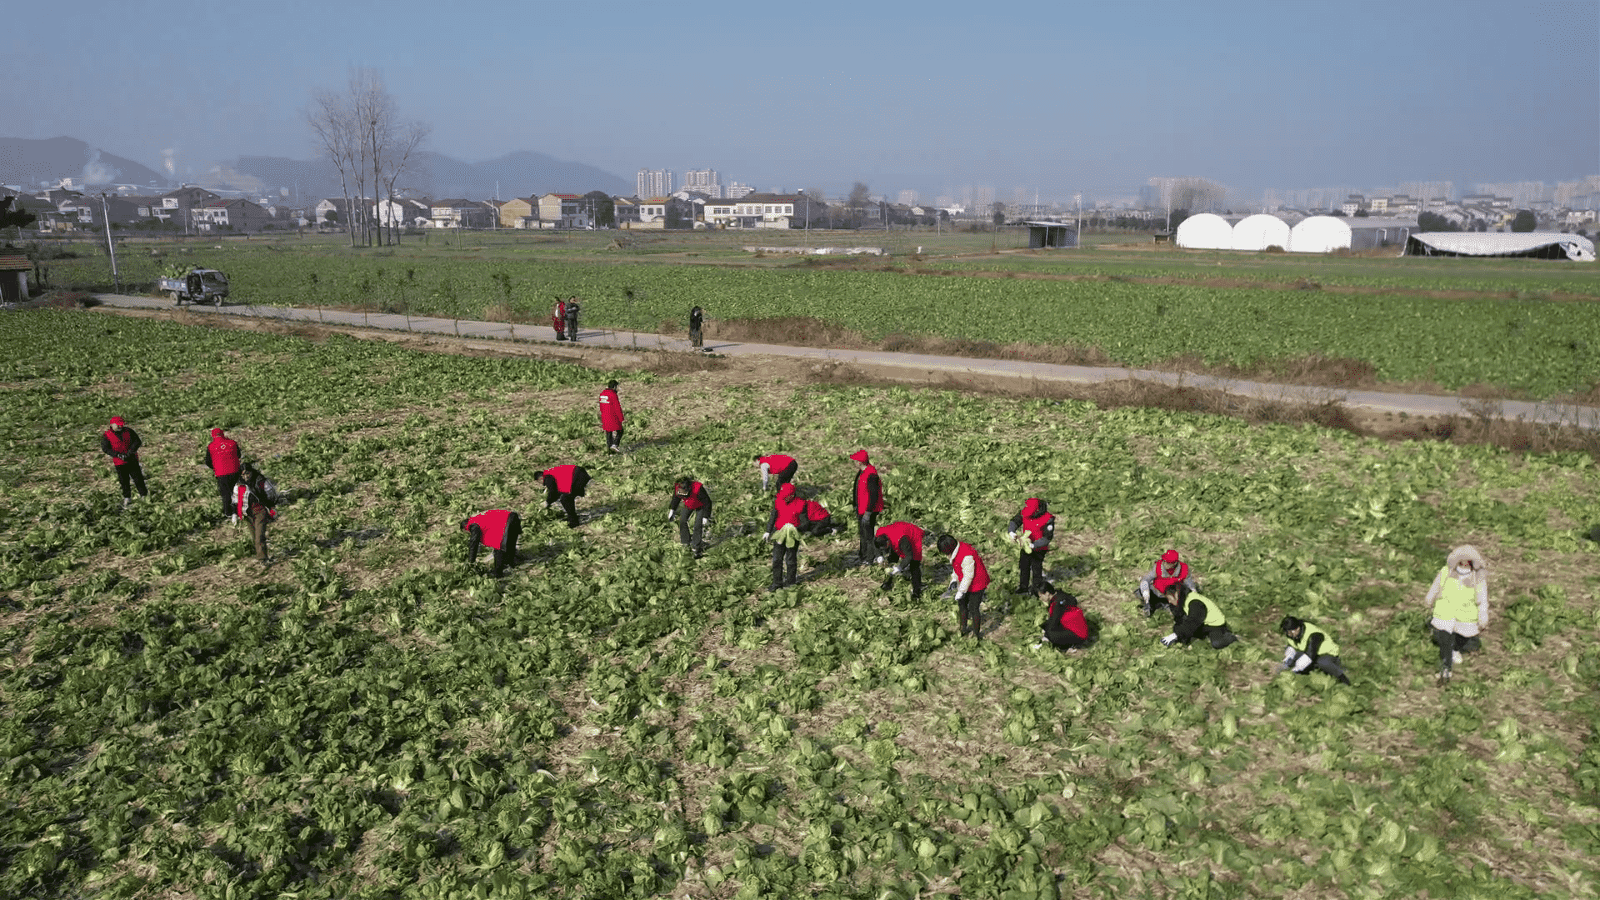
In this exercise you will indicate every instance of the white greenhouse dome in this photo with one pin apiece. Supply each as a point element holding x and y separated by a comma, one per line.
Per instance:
<point>1260,231</point>
<point>1319,234</point>
<point>1206,231</point>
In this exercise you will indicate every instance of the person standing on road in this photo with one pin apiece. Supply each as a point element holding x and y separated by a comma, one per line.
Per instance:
<point>1037,529</point>
<point>1064,624</point>
<point>776,466</point>
<point>558,320</point>
<point>222,455</point>
<point>611,417</point>
<point>783,530</point>
<point>696,501</point>
<point>1310,648</point>
<point>1460,598</point>
<point>253,500</point>
<point>900,544</point>
<point>122,443</point>
<point>1167,571</point>
<point>497,529</point>
<point>697,319</point>
<point>969,578</point>
<point>869,502</point>
<point>573,309</point>
<point>1194,615</point>
<point>564,483</point>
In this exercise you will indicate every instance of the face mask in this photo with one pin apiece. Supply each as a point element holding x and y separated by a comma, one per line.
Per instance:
<point>1463,570</point>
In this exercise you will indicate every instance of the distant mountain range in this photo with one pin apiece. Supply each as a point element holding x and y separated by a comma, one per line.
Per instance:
<point>29,163</point>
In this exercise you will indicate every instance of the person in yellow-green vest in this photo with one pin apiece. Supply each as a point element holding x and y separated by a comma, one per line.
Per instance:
<point>1460,598</point>
<point>1195,615</point>
<point>1310,647</point>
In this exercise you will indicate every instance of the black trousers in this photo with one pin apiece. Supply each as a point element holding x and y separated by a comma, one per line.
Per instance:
<point>1330,665</point>
<point>1219,635</point>
<point>914,569</point>
<point>1030,567</point>
<point>695,338</point>
<point>867,531</point>
<point>225,485</point>
<point>614,439</point>
<point>1450,643</point>
<point>572,328</point>
<point>699,516</point>
<point>130,471</point>
<point>784,557</point>
<point>1062,638</point>
<point>505,555</point>
<point>970,611</point>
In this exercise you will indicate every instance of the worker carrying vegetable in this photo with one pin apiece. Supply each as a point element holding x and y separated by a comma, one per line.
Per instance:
<point>1310,648</point>
<point>1031,530</point>
<point>783,530</point>
<point>1194,615</point>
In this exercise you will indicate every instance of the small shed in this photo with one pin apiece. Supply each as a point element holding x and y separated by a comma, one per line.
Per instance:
<point>1051,234</point>
<point>14,278</point>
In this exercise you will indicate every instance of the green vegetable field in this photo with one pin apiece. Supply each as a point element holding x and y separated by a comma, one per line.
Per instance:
<point>371,717</point>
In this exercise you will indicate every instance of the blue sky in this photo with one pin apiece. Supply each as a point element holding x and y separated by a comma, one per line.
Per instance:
<point>1022,97</point>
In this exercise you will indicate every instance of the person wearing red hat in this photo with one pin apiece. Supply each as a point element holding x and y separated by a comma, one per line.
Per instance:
<point>1167,571</point>
<point>563,483</point>
<point>969,578</point>
<point>222,455</point>
<point>1032,530</point>
<point>121,443</point>
<point>776,466</point>
<point>869,502</point>
<point>611,417</point>
<point>497,529</point>
<point>783,530</point>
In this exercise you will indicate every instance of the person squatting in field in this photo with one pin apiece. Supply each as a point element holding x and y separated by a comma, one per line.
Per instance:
<point>222,455</point>
<point>969,578</point>
<point>869,502</point>
<point>783,530</point>
<point>818,521</point>
<point>900,544</point>
<point>1460,598</point>
<point>1168,570</point>
<point>253,500</point>
<point>122,443</point>
<point>1064,624</point>
<point>563,484</point>
<point>776,466</point>
<point>1310,648</point>
<point>1194,615</point>
<point>1037,529</point>
<point>497,529</point>
<point>696,502</point>
<point>611,417</point>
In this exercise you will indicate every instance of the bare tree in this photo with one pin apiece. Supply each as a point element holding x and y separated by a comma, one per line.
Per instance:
<point>362,134</point>
<point>331,120</point>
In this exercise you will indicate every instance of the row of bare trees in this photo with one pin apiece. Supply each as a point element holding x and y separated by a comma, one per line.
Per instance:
<point>362,134</point>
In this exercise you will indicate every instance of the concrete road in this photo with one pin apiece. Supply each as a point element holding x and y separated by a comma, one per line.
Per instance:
<point>1377,401</point>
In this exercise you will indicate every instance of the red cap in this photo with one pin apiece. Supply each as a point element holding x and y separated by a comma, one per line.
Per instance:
<point>117,420</point>
<point>1171,556</point>
<point>785,490</point>
<point>859,456</point>
<point>216,432</point>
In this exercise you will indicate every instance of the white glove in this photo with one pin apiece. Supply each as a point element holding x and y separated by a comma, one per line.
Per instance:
<point>878,561</point>
<point>1169,640</point>
<point>1289,655</point>
<point>1303,663</point>
<point>766,535</point>
<point>671,514</point>
<point>959,595</point>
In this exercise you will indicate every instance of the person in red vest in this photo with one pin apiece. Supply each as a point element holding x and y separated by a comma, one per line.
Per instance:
<point>776,466</point>
<point>253,500</point>
<point>1037,529</point>
<point>558,320</point>
<point>564,483</point>
<point>818,521</point>
<point>696,501</point>
<point>900,543</point>
<point>1064,625</point>
<point>969,578</point>
<point>869,502</point>
<point>497,529</point>
<point>1167,571</point>
<point>783,530</point>
<point>222,455</point>
<point>122,443</point>
<point>611,417</point>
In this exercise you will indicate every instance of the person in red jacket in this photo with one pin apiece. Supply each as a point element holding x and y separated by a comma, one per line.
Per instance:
<point>1032,530</point>
<point>696,501</point>
<point>497,529</point>
<point>900,543</point>
<point>783,530</point>
<point>1064,625</point>
<point>558,320</point>
<point>869,502</point>
<point>222,455</point>
<point>122,443</point>
<point>564,483</point>
<point>611,417</point>
<point>1167,571</point>
<point>776,466</point>
<point>969,578</point>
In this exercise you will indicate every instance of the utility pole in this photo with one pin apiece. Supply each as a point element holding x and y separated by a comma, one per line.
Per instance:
<point>111,246</point>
